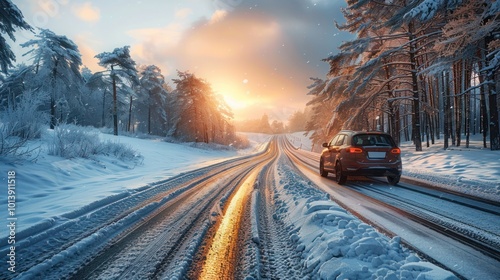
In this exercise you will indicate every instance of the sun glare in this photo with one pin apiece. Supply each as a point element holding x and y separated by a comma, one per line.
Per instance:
<point>235,104</point>
<point>234,96</point>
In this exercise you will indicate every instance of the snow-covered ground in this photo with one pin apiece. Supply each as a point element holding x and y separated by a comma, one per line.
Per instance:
<point>332,242</point>
<point>335,244</point>
<point>52,186</point>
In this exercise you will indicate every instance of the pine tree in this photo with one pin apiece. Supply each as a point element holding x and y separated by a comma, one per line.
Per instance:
<point>17,82</point>
<point>414,58</point>
<point>56,63</point>
<point>470,37</point>
<point>152,82</point>
<point>100,83</point>
<point>121,69</point>
<point>10,19</point>
<point>202,116</point>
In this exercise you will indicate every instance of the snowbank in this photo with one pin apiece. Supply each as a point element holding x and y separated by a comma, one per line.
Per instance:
<point>53,187</point>
<point>336,245</point>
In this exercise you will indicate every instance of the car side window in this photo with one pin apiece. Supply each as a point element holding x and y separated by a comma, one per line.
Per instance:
<point>340,140</point>
<point>334,140</point>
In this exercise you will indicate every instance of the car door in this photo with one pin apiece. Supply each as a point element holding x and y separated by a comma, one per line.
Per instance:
<point>336,148</point>
<point>328,157</point>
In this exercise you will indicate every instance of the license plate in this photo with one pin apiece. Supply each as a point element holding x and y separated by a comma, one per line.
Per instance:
<point>376,155</point>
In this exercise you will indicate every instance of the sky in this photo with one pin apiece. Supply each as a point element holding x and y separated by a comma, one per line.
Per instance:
<point>258,54</point>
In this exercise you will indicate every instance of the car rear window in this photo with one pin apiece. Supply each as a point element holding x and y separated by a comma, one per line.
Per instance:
<point>372,140</point>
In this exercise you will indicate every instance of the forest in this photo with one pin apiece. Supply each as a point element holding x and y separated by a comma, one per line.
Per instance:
<point>56,89</point>
<point>419,70</point>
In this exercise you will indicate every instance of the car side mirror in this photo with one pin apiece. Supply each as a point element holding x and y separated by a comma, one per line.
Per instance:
<point>325,145</point>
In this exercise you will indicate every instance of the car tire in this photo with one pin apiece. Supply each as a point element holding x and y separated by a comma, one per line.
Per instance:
<point>393,180</point>
<point>340,178</point>
<point>322,171</point>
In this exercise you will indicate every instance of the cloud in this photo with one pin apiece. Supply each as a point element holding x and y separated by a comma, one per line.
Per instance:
<point>88,53</point>
<point>230,37</point>
<point>250,47</point>
<point>274,47</point>
<point>156,45</point>
<point>218,15</point>
<point>183,13</point>
<point>87,12</point>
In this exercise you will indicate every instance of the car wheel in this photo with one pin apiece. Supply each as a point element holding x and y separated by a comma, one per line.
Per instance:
<point>393,180</point>
<point>339,176</point>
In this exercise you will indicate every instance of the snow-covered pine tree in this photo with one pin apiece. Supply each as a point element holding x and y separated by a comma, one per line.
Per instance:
<point>11,18</point>
<point>201,116</point>
<point>469,39</point>
<point>56,63</point>
<point>121,68</point>
<point>99,84</point>
<point>375,70</point>
<point>16,82</point>
<point>152,83</point>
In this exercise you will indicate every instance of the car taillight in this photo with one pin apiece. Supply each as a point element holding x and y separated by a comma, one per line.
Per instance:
<point>396,151</point>
<point>355,150</point>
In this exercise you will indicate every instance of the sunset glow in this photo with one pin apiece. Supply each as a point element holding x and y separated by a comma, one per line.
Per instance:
<point>257,54</point>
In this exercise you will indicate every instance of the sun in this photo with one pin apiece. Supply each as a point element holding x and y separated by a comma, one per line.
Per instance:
<point>236,104</point>
<point>234,95</point>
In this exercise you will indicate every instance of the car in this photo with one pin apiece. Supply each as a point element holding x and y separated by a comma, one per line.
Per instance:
<point>361,153</point>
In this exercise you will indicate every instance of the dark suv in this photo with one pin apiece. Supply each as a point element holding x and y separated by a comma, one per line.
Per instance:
<point>361,153</point>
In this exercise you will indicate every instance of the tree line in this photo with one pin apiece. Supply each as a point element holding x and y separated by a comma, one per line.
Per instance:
<point>296,122</point>
<point>419,70</point>
<point>55,88</point>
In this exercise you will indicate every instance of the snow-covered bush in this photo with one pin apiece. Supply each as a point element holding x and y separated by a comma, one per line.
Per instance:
<point>21,122</point>
<point>72,141</point>
<point>12,146</point>
<point>24,119</point>
<point>120,151</point>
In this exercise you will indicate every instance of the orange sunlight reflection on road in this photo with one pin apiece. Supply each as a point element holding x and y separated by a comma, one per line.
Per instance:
<point>222,253</point>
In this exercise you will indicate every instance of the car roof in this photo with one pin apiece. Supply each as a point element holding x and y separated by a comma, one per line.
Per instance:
<point>353,132</point>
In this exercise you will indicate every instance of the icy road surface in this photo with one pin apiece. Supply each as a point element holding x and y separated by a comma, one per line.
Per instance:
<point>265,216</point>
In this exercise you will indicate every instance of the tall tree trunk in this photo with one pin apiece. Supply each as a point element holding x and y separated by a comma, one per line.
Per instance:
<point>432,114</point>
<point>493,102</point>
<point>52,112</point>
<point>103,109</point>
<point>417,138</point>
<point>484,121</point>
<point>53,97</point>
<point>392,123</point>
<point>452,109</point>
<point>467,103</point>
<point>457,99</point>
<point>406,127</point>
<point>130,115</point>
<point>446,109</point>
<point>393,119</point>
<point>115,107</point>
<point>494,125</point>
<point>438,102</point>
<point>149,114</point>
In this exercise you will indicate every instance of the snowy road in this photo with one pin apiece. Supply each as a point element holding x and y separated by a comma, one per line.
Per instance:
<point>268,216</point>
<point>458,232</point>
